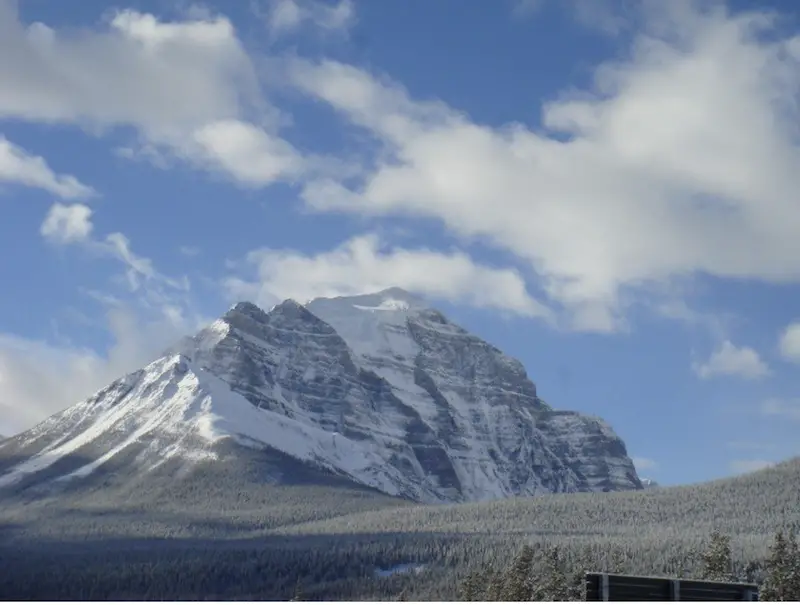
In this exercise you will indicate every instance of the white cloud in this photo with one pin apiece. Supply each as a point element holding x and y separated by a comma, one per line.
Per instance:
<point>187,88</point>
<point>72,224</point>
<point>749,466</point>
<point>730,360</point>
<point>287,16</point>
<point>781,408</point>
<point>38,378</point>
<point>137,268</point>
<point>362,264</point>
<point>671,165</point>
<point>65,224</point>
<point>789,343</point>
<point>19,167</point>
<point>247,153</point>
<point>643,464</point>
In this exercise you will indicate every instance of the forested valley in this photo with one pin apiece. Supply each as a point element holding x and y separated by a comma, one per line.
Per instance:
<point>328,543</point>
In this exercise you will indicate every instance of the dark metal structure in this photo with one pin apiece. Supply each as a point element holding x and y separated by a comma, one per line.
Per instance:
<point>618,587</point>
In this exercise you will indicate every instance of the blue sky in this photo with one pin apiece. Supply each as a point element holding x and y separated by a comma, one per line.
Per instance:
<point>605,190</point>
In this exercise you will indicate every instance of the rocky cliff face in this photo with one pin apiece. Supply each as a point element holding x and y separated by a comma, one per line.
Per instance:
<point>499,436</point>
<point>379,389</point>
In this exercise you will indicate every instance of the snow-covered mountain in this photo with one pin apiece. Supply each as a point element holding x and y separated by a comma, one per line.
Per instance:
<point>379,389</point>
<point>649,483</point>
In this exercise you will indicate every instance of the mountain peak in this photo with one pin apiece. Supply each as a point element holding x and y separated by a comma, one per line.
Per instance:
<point>378,388</point>
<point>247,309</point>
<point>390,299</point>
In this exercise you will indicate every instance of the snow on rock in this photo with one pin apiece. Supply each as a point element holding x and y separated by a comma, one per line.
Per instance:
<point>499,437</point>
<point>379,388</point>
<point>400,569</point>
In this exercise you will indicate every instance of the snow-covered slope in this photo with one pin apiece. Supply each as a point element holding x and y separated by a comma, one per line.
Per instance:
<point>378,389</point>
<point>499,436</point>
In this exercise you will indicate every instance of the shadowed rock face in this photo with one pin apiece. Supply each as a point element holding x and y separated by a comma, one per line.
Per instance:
<point>378,389</point>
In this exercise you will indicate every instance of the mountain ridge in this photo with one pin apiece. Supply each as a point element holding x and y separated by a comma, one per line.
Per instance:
<point>378,388</point>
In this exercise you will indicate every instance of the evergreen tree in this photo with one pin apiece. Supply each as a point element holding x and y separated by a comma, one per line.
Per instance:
<point>782,570</point>
<point>617,564</point>
<point>298,591</point>
<point>472,588</point>
<point>494,586</point>
<point>717,558</point>
<point>552,584</point>
<point>517,580</point>
<point>577,586</point>
<point>793,575</point>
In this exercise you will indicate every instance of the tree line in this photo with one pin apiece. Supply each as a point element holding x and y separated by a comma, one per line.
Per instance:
<point>546,575</point>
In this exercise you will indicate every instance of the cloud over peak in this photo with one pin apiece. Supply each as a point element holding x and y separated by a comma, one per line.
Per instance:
<point>365,264</point>
<point>671,165</point>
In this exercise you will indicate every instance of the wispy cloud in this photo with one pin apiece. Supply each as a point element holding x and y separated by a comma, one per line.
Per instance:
<point>644,464</point>
<point>781,408</point>
<point>287,16</point>
<point>22,168</point>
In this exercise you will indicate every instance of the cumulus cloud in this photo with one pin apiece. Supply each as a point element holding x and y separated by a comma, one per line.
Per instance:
<point>671,165</point>
<point>730,360</point>
<point>286,16</point>
<point>749,466</point>
<point>65,223</point>
<point>19,167</point>
<point>789,343</point>
<point>363,264</point>
<point>246,153</point>
<point>187,88</point>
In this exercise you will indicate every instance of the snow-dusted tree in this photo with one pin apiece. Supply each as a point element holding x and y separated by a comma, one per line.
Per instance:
<point>494,585</point>
<point>782,567</point>
<point>552,583</point>
<point>517,580</point>
<point>717,558</point>
<point>473,587</point>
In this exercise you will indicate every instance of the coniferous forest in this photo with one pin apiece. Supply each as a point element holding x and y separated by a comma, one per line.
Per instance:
<point>180,540</point>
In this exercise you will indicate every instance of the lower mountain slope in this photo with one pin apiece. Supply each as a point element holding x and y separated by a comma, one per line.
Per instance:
<point>171,442</point>
<point>748,507</point>
<point>344,555</point>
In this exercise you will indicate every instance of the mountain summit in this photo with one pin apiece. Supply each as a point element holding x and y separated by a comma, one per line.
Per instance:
<point>378,389</point>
